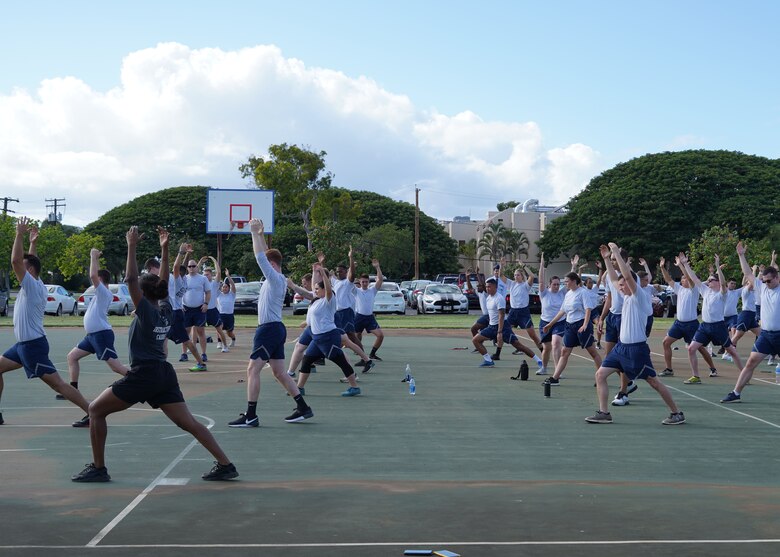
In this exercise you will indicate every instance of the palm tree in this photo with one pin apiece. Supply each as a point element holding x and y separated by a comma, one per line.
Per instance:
<point>468,253</point>
<point>516,244</point>
<point>491,245</point>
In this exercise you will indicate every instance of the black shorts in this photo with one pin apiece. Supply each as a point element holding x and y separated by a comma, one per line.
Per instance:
<point>152,381</point>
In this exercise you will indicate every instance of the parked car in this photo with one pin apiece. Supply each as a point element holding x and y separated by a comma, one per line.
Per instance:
<point>405,284</point>
<point>389,299</point>
<point>300,304</point>
<point>59,300</point>
<point>238,278</point>
<point>446,278</point>
<point>122,303</point>
<point>4,302</point>
<point>442,298</point>
<point>246,296</point>
<point>415,290</point>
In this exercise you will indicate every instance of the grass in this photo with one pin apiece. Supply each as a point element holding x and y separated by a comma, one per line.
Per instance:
<point>250,320</point>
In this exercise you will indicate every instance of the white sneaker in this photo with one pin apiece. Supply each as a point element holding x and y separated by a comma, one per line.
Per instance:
<point>542,371</point>
<point>727,357</point>
<point>219,346</point>
<point>232,342</point>
<point>291,373</point>
<point>770,361</point>
<point>225,349</point>
<point>620,400</point>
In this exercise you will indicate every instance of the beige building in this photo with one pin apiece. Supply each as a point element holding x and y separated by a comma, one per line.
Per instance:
<point>529,217</point>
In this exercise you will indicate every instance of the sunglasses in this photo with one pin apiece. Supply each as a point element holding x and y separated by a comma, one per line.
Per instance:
<point>767,281</point>
<point>191,266</point>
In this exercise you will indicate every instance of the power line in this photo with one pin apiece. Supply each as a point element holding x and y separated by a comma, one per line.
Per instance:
<point>54,216</point>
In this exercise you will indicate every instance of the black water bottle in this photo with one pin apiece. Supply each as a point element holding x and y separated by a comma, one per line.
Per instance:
<point>524,371</point>
<point>546,389</point>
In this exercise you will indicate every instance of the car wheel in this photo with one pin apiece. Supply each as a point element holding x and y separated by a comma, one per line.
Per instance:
<point>58,313</point>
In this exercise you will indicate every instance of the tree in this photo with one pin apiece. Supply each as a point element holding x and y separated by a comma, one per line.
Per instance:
<point>722,241</point>
<point>657,204</point>
<point>392,246</point>
<point>492,243</point>
<point>297,176</point>
<point>74,259</point>
<point>515,244</point>
<point>504,205</point>
<point>468,253</point>
<point>51,243</point>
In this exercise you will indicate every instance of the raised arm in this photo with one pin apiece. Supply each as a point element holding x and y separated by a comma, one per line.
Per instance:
<point>574,261</point>
<point>298,290</point>
<point>773,263</point>
<point>667,277</point>
<point>164,264</point>
<point>17,252</point>
<point>625,268</point>
<point>181,257</point>
<point>719,269</point>
<point>217,269</point>
<point>379,279</point>
<point>131,266</point>
<point>686,266</point>
<point>746,270</point>
<point>351,269</point>
<point>94,266</point>
<point>611,272</point>
<point>646,267</point>
<point>230,281</point>
<point>602,271</point>
<point>317,267</point>
<point>258,240</point>
<point>529,272</point>
<point>33,241</point>
<point>542,286</point>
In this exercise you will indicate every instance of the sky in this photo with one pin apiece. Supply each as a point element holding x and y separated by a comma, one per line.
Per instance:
<point>474,103</point>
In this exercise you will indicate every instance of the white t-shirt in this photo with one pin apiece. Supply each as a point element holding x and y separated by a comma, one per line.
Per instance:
<point>29,309</point>
<point>651,294</point>
<point>551,303</point>
<point>195,295</point>
<point>748,299</point>
<point>501,287</point>
<point>770,306</point>
<point>215,290</point>
<point>616,298</point>
<point>226,303</point>
<point>687,302</point>
<point>732,297</point>
<point>96,316</point>
<point>593,292</point>
<point>271,297</point>
<point>518,293</point>
<point>482,297</point>
<point>344,291</point>
<point>575,302</point>
<point>365,300</point>
<point>176,289</point>
<point>713,303</point>
<point>495,303</point>
<point>633,319</point>
<point>320,316</point>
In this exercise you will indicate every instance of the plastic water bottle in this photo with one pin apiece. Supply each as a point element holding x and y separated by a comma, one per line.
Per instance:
<point>777,374</point>
<point>413,386</point>
<point>408,375</point>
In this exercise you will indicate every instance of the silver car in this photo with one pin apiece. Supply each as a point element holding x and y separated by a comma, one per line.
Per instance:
<point>121,304</point>
<point>442,298</point>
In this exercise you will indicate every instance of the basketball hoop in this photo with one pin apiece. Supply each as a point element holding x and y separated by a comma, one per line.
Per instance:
<point>237,224</point>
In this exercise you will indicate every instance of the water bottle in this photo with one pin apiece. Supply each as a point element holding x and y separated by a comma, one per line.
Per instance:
<point>777,374</point>
<point>524,371</point>
<point>408,375</point>
<point>413,387</point>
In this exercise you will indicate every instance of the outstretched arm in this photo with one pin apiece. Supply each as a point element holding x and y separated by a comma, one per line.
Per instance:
<point>351,270</point>
<point>299,290</point>
<point>625,268</point>
<point>17,252</point>
<point>94,266</point>
<point>230,281</point>
<point>164,270</point>
<point>542,286</point>
<point>665,273</point>
<point>686,266</point>
<point>217,269</point>
<point>33,241</point>
<point>131,265</point>
<point>746,270</point>
<point>574,261</point>
<point>181,257</point>
<point>379,279</point>
<point>719,269</point>
<point>258,240</point>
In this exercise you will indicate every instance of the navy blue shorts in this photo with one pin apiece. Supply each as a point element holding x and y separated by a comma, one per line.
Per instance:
<point>520,317</point>
<point>632,359</point>
<point>573,338</point>
<point>228,321</point>
<point>365,323</point>
<point>213,318</point>
<point>768,342</point>
<point>305,337</point>
<point>193,317</point>
<point>716,333</point>
<point>345,320</point>
<point>100,343</point>
<point>153,382</point>
<point>559,329</point>
<point>746,321</point>
<point>491,332</point>
<point>269,342</point>
<point>758,312</point>
<point>649,326</point>
<point>325,345</point>
<point>33,355</point>
<point>178,332</point>
<point>483,321</point>
<point>683,330</point>
<point>731,321</point>
<point>612,329</point>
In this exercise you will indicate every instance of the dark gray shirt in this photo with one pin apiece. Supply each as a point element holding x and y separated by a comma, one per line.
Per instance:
<point>149,330</point>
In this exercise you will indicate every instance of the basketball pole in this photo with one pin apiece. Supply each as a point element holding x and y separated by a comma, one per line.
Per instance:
<point>219,249</point>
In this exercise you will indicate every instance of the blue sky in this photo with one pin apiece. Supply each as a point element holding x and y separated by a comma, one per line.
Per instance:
<point>497,100</point>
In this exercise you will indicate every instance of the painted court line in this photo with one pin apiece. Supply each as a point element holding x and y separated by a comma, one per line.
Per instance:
<point>727,407</point>
<point>157,481</point>
<point>19,450</point>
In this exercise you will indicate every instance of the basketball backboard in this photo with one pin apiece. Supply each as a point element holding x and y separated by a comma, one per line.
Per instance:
<point>224,207</point>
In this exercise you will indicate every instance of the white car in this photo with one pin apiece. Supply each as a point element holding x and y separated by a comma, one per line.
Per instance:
<point>121,302</point>
<point>390,299</point>
<point>442,298</point>
<point>59,300</point>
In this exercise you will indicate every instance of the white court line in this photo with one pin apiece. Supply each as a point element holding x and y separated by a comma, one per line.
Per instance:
<point>19,450</point>
<point>135,502</point>
<point>728,407</point>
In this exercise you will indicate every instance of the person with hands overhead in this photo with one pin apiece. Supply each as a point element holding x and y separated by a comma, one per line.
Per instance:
<point>364,312</point>
<point>551,297</point>
<point>226,303</point>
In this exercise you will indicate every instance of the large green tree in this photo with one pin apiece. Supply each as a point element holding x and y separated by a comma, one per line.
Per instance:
<point>657,204</point>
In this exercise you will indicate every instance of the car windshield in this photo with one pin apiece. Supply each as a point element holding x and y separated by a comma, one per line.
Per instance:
<point>389,287</point>
<point>442,289</point>
<point>247,288</point>
<point>52,289</point>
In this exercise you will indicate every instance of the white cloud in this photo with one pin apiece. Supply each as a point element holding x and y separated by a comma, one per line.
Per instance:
<point>182,116</point>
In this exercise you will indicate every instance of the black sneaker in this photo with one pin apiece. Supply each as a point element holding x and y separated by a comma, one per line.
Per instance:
<point>58,396</point>
<point>244,421</point>
<point>495,357</point>
<point>83,422</point>
<point>299,415</point>
<point>552,381</point>
<point>221,472</point>
<point>368,366</point>
<point>92,473</point>
<point>375,357</point>
<point>632,386</point>
<point>1,419</point>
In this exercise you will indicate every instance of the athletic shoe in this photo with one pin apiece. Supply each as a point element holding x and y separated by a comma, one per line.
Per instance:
<point>219,345</point>
<point>486,364</point>
<point>225,349</point>
<point>83,422</point>
<point>666,373</point>
<point>232,342</point>
<point>495,357</point>
<point>727,357</point>
<point>368,366</point>
<point>183,358</point>
<point>204,357</point>
<point>721,351</point>
<point>243,421</point>
<point>208,340</point>
<point>674,419</point>
<point>599,418</point>
<point>713,372</point>
<point>731,397</point>
<point>551,381</point>
<point>199,367</point>
<point>221,472</point>
<point>598,345</point>
<point>515,353</point>
<point>299,416</point>
<point>58,396</point>
<point>541,371</point>
<point>693,380</point>
<point>621,399</point>
<point>1,419</point>
<point>632,386</point>
<point>352,391</point>
<point>92,473</point>
<point>375,357</point>
<point>770,361</point>
<point>291,373</point>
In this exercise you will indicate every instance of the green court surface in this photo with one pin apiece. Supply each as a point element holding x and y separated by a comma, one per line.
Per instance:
<point>475,463</point>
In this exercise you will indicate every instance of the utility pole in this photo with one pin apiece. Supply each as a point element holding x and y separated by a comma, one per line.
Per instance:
<point>6,201</point>
<point>54,216</point>
<point>416,232</point>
